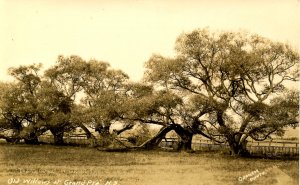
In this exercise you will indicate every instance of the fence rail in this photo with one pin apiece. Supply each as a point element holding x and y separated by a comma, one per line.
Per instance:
<point>71,139</point>
<point>255,147</point>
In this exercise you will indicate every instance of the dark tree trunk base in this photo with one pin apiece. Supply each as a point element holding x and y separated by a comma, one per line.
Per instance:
<point>58,139</point>
<point>58,136</point>
<point>237,149</point>
<point>186,139</point>
<point>32,139</point>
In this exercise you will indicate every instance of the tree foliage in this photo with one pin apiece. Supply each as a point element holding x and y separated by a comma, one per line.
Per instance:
<point>231,78</point>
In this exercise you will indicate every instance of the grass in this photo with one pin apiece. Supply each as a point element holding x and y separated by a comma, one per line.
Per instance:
<point>46,164</point>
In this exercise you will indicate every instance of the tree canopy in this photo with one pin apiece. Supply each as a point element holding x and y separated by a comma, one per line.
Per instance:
<point>225,86</point>
<point>233,81</point>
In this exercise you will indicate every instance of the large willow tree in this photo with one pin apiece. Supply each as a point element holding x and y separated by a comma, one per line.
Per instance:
<point>233,83</point>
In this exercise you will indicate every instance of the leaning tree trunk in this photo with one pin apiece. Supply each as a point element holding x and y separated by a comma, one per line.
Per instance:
<point>127,127</point>
<point>185,134</point>
<point>154,142</point>
<point>58,135</point>
<point>89,135</point>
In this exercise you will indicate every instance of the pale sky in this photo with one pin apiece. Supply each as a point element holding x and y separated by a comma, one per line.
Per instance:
<point>126,33</point>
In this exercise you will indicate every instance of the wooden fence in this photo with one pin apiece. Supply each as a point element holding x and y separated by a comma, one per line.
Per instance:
<point>79,139</point>
<point>274,147</point>
<point>262,147</point>
<point>270,148</point>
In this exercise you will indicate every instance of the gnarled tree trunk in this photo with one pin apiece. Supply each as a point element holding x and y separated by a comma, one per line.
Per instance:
<point>238,148</point>
<point>186,138</point>
<point>58,135</point>
<point>32,138</point>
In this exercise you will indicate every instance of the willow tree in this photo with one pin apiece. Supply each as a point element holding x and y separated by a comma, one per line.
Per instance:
<point>11,117</point>
<point>55,111</point>
<point>103,89</point>
<point>62,84</point>
<point>31,105</point>
<point>234,83</point>
<point>19,103</point>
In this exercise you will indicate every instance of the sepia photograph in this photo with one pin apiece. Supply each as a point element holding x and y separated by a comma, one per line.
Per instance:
<point>149,92</point>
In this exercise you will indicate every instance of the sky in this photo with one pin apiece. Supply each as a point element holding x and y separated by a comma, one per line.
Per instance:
<point>126,33</point>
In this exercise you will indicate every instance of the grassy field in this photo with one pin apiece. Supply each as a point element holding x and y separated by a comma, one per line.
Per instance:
<point>47,164</point>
